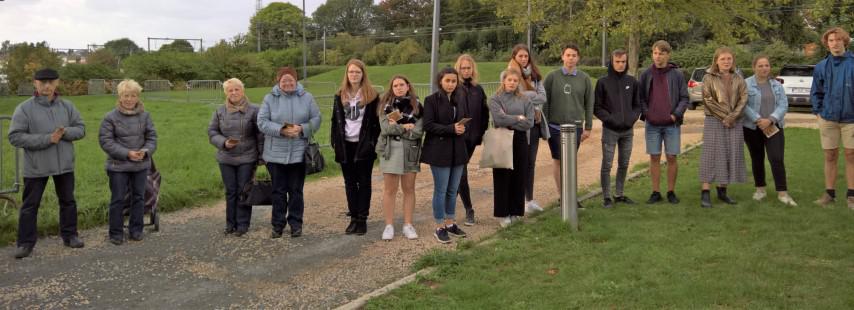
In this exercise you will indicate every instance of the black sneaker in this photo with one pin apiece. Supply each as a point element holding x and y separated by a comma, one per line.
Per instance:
<point>671,198</point>
<point>654,198</point>
<point>608,204</point>
<point>23,251</point>
<point>240,232</point>
<point>117,240</point>
<point>469,217</point>
<point>624,199</point>
<point>276,234</point>
<point>135,237</point>
<point>73,242</point>
<point>455,230</point>
<point>441,235</point>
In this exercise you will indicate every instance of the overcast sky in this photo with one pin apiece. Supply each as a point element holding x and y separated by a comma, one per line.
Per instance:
<point>76,23</point>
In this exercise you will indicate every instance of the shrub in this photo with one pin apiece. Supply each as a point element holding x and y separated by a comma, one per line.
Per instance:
<point>281,58</point>
<point>380,53</point>
<point>408,51</point>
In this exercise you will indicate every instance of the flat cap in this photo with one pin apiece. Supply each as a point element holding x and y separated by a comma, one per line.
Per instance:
<point>46,74</point>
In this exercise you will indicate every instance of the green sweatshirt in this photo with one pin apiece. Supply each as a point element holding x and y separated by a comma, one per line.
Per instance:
<point>569,98</point>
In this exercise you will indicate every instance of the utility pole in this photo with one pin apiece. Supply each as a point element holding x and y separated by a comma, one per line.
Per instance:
<point>324,46</point>
<point>604,45</point>
<point>258,24</point>
<point>304,46</point>
<point>434,52</point>
<point>530,47</point>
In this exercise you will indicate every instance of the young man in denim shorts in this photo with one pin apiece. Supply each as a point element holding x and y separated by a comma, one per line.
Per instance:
<point>664,99</point>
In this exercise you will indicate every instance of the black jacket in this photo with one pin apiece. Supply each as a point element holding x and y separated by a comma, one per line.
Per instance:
<point>617,100</point>
<point>678,90</point>
<point>368,135</point>
<point>442,146</point>
<point>472,102</point>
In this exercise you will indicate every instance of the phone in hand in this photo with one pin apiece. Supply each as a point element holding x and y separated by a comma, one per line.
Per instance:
<point>395,115</point>
<point>464,121</point>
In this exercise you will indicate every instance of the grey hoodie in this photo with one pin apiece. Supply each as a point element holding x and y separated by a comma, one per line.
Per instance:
<point>32,124</point>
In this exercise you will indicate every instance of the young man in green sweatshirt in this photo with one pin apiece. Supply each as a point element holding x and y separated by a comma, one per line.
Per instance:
<point>569,99</point>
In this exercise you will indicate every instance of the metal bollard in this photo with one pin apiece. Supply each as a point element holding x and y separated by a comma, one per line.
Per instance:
<point>568,175</point>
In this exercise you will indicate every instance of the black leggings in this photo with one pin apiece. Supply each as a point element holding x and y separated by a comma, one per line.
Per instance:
<point>758,145</point>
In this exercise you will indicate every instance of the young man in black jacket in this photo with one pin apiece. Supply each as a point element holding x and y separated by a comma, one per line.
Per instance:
<point>617,105</point>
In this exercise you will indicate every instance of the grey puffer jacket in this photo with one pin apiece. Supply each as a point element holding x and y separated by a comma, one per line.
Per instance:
<point>32,124</point>
<point>236,124</point>
<point>121,133</point>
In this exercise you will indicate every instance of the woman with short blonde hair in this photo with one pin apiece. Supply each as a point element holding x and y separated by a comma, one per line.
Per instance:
<point>128,138</point>
<point>233,130</point>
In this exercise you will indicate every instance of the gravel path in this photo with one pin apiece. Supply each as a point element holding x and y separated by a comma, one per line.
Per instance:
<point>189,264</point>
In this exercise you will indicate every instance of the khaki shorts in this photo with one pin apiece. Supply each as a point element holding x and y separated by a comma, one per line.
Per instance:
<point>833,132</point>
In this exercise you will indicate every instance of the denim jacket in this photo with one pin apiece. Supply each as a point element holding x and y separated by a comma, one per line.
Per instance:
<point>754,98</point>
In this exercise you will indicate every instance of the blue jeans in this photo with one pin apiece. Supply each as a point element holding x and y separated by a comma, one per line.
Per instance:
<point>288,181</point>
<point>446,181</point>
<point>122,183</point>
<point>235,178</point>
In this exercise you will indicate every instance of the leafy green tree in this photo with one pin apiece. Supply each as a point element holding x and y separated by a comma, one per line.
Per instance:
<point>280,26</point>
<point>104,57</point>
<point>24,59</point>
<point>408,51</point>
<point>380,53</point>
<point>397,14</point>
<point>180,46</point>
<point>350,16</point>
<point>123,47</point>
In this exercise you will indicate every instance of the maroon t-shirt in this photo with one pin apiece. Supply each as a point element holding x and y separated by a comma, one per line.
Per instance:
<point>659,98</point>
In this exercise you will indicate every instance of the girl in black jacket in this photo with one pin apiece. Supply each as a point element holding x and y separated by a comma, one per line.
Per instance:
<point>355,130</point>
<point>445,151</point>
<point>472,101</point>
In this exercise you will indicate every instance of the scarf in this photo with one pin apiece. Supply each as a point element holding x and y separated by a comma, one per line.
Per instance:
<point>239,107</point>
<point>136,110</point>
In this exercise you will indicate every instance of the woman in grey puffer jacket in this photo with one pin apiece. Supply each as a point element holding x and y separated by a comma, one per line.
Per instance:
<point>233,130</point>
<point>127,136</point>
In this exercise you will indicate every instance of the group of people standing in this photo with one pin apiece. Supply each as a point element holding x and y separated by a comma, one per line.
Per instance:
<point>443,133</point>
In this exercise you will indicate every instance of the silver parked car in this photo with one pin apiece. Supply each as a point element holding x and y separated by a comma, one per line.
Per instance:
<point>695,87</point>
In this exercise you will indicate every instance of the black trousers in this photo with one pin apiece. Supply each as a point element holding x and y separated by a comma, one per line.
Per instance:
<point>464,190</point>
<point>28,215</point>
<point>758,145</point>
<point>122,184</point>
<point>357,183</point>
<point>532,161</point>
<point>235,178</point>
<point>508,184</point>
<point>288,181</point>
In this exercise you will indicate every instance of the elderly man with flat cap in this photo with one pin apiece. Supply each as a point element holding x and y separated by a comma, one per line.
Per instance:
<point>45,126</point>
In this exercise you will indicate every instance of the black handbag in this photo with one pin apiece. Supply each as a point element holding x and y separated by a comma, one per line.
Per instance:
<point>313,159</point>
<point>257,192</point>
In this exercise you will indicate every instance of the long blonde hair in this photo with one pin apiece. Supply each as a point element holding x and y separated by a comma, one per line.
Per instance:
<point>504,75</point>
<point>368,91</point>
<point>470,59</point>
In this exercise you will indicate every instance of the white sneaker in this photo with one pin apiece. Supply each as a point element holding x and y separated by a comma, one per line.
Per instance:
<point>532,206</point>
<point>759,194</point>
<point>786,199</point>
<point>505,221</point>
<point>515,219</point>
<point>409,232</point>
<point>388,232</point>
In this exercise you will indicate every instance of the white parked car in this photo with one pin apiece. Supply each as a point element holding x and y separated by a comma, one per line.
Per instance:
<point>797,81</point>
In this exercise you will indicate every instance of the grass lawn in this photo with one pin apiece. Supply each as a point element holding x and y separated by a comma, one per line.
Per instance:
<point>184,156</point>
<point>753,255</point>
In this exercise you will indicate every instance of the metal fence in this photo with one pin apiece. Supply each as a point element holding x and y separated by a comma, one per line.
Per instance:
<point>207,91</point>
<point>4,89</point>
<point>9,171</point>
<point>114,86</point>
<point>423,90</point>
<point>26,88</point>
<point>96,87</point>
<point>157,90</point>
